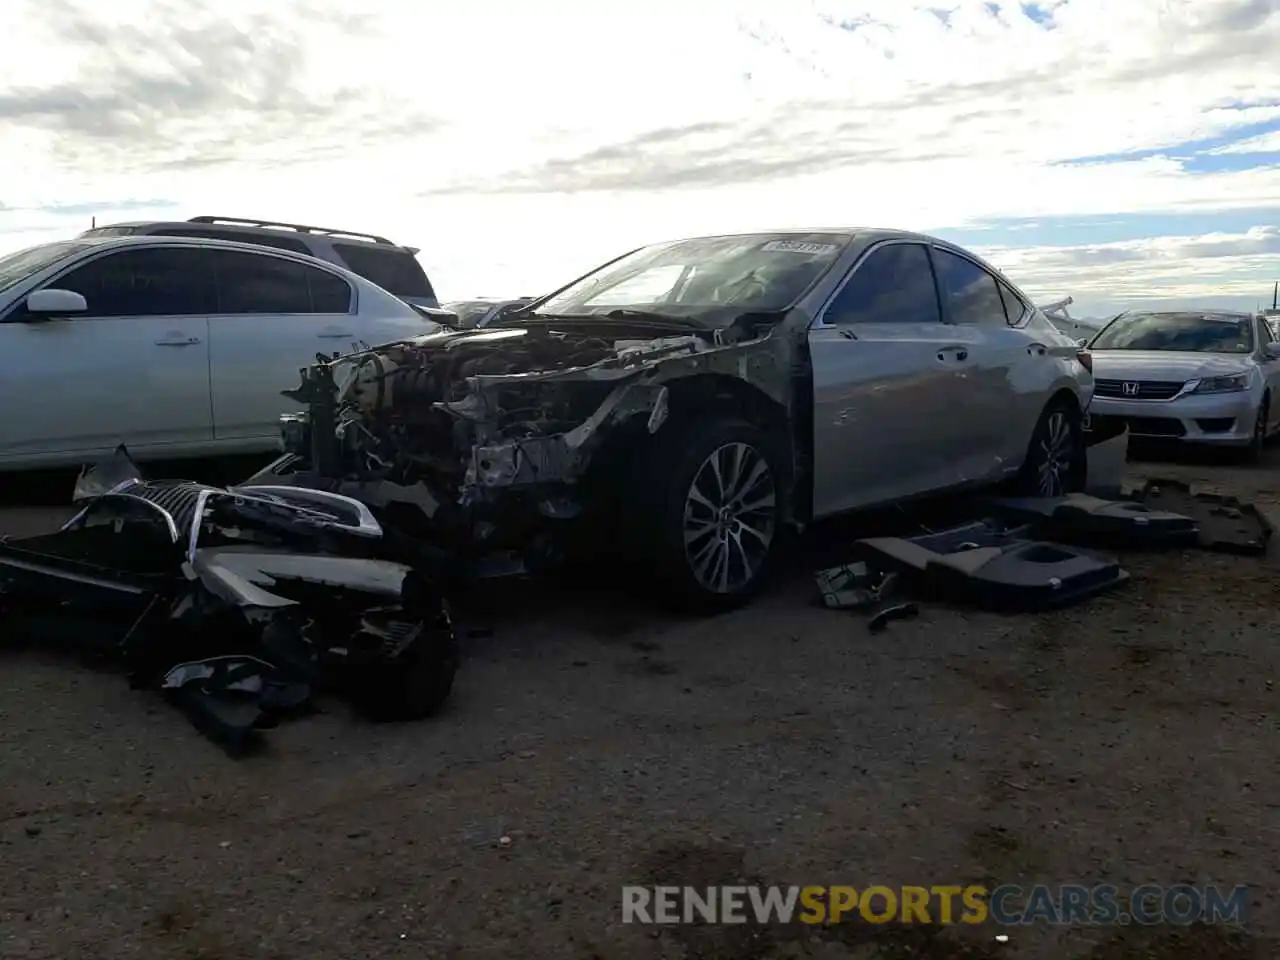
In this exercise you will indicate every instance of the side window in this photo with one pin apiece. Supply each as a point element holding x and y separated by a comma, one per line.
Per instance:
<point>261,283</point>
<point>971,292</point>
<point>894,284</point>
<point>209,233</point>
<point>1013,304</point>
<point>1265,334</point>
<point>144,283</point>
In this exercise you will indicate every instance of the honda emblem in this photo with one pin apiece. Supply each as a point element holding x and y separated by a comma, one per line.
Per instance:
<point>1129,389</point>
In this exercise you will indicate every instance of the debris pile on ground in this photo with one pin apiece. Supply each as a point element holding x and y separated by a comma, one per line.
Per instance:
<point>237,602</point>
<point>1043,560</point>
<point>1222,523</point>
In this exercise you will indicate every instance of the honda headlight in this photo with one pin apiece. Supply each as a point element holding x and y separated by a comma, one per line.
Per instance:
<point>1231,384</point>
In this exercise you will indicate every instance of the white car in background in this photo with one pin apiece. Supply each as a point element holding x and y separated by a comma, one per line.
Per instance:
<point>175,347</point>
<point>1197,376</point>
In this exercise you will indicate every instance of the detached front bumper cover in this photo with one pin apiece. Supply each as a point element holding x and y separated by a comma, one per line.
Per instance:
<point>236,602</point>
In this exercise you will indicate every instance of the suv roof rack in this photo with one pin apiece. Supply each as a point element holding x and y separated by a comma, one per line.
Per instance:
<point>296,227</point>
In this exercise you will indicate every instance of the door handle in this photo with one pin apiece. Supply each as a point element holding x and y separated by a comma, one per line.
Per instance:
<point>331,333</point>
<point>1037,349</point>
<point>177,341</point>
<point>953,355</point>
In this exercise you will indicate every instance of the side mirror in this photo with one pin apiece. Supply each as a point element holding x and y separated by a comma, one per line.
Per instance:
<point>48,304</point>
<point>1272,350</point>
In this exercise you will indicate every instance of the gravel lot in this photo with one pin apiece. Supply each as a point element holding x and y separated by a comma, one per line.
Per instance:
<point>1129,740</point>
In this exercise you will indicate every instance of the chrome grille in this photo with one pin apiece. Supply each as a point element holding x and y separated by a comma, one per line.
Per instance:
<point>1147,389</point>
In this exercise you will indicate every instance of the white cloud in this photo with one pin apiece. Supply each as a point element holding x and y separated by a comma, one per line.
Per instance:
<point>518,144</point>
<point>1217,268</point>
<point>1263,143</point>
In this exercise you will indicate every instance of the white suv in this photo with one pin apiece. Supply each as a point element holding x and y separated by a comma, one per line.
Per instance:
<point>176,347</point>
<point>392,267</point>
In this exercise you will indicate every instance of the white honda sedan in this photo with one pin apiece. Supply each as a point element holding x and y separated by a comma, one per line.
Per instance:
<point>1197,376</point>
<point>176,347</point>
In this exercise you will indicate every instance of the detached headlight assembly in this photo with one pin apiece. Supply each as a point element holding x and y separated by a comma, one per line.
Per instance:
<point>1231,384</point>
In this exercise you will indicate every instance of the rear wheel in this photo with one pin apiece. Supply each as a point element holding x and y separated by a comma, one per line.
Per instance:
<point>704,512</point>
<point>1055,461</point>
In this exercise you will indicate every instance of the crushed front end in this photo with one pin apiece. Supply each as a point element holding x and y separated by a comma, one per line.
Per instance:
<point>485,442</point>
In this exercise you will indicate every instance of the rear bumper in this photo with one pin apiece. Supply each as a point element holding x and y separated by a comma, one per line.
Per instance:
<point>1224,419</point>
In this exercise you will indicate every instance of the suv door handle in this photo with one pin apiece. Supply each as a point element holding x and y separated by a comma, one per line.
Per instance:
<point>176,340</point>
<point>332,333</point>
<point>1037,349</point>
<point>953,354</point>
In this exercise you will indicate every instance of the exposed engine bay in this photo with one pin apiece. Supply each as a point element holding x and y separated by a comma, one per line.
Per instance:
<point>474,428</point>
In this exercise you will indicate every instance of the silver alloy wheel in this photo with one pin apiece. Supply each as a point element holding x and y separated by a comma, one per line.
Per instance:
<point>1056,455</point>
<point>730,517</point>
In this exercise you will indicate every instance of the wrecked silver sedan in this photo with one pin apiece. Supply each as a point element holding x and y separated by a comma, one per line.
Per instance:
<point>691,401</point>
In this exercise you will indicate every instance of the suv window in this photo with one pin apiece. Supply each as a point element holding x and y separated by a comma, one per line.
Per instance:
<point>971,292</point>
<point>150,282</point>
<point>894,284</point>
<point>210,233</point>
<point>396,271</point>
<point>1013,304</point>
<point>261,283</point>
<point>1265,333</point>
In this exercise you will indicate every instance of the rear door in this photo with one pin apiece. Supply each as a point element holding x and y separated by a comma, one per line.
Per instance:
<point>133,369</point>
<point>274,315</point>
<point>1009,366</point>
<point>889,382</point>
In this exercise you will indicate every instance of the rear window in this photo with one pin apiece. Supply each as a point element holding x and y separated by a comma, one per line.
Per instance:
<point>110,232</point>
<point>395,271</point>
<point>212,233</point>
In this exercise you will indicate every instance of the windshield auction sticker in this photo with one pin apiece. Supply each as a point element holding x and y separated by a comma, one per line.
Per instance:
<point>798,246</point>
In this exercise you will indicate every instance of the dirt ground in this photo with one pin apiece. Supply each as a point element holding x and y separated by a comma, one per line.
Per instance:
<point>1129,740</point>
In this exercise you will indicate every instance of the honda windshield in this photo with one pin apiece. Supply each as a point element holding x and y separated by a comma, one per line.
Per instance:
<point>16,267</point>
<point>711,280</point>
<point>1178,332</point>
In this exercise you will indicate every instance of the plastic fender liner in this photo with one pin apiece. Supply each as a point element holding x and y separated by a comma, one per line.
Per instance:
<point>1078,516</point>
<point>997,570</point>
<point>1225,524</point>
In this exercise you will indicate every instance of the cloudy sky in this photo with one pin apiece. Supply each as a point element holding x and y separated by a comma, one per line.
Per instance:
<point>1119,151</point>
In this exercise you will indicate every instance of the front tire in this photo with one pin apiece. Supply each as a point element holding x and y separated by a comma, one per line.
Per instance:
<point>1257,443</point>
<point>1055,461</point>
<point>704,512</point>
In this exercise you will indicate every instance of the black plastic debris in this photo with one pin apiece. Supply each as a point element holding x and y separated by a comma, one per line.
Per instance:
<point>857,586</point>
<point>982,564</point>
<point>850,586</point>
<point>1225,524</point>
<point>1079,517</point>
<point>238,602</point>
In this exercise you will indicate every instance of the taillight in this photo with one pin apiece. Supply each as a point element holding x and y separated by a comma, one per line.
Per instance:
<point>1086,359</point>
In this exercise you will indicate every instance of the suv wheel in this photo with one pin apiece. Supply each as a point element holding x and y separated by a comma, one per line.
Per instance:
<point>704,512</point>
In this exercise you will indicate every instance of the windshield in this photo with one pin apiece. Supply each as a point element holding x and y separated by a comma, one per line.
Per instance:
<point>713,279</point>
<point>1184,332</point>
<point>16,267</point>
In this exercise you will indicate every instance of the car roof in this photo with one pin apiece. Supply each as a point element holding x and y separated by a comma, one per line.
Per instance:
<point>1209,312</point>
<point>246,247</point>
<point>256,230</point>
